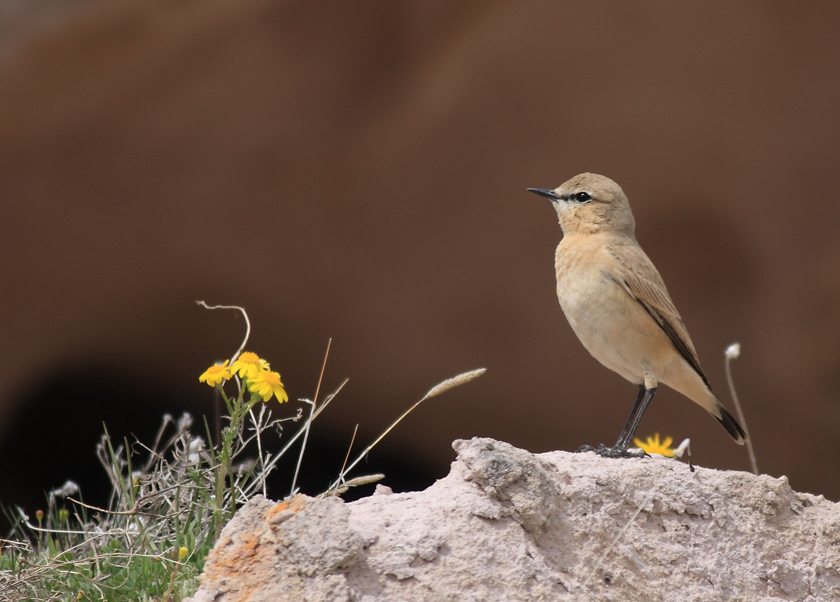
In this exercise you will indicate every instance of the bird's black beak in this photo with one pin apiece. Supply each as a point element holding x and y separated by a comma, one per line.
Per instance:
<point>549,194</point>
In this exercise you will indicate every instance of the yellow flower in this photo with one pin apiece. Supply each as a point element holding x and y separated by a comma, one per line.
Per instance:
<point>249,365</point>
<point>266,384</point>
<point>214,375</point>
<point>182,553</point>
<point>654,446</point>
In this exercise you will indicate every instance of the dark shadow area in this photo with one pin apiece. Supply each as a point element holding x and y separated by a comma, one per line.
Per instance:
<point>54,440</point>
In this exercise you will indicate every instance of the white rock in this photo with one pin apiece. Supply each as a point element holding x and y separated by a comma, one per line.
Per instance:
<point>507,525</point>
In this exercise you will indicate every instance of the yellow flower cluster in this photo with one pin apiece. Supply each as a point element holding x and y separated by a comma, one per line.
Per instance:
<point>654,446</point>
<point>254,370</point>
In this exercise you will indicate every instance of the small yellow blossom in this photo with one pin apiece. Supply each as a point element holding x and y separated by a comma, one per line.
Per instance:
<point>266,384</point>
<point>182,553</point>
<point>654,446</point>
<point>63,515</point>
<point>214,375</point>
<point>249,365</point>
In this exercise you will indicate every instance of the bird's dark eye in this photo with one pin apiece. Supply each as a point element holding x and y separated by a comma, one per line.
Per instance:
<point>583,197</point>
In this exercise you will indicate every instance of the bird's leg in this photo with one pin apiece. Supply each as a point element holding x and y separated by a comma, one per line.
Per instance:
<point>627,435</point>
<point>619,450</point>
<point>627,424</point>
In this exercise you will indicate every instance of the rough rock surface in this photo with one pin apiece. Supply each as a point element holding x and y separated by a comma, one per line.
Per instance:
<point>509,525</point>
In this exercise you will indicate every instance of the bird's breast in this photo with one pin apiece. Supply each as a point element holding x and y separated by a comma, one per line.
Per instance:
<point>610,324</point>
<point>584,281</point>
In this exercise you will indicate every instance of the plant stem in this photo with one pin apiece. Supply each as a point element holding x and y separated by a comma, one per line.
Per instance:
<point>311,415</point>
<point>750,450</point>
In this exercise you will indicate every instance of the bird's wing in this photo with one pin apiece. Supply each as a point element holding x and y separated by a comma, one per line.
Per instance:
<point>641,279</point>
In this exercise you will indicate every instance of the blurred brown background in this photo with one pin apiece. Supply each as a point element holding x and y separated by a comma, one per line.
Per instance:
<point>357,170</point>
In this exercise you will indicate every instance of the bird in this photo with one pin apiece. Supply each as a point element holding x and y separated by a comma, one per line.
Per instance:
<point>618,306</point>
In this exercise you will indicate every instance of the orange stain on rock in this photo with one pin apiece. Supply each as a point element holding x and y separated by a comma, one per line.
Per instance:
<point>249,552</point>
<point>296,504</point>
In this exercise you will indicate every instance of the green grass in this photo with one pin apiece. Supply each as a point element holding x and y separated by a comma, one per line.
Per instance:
<point>130,550</point>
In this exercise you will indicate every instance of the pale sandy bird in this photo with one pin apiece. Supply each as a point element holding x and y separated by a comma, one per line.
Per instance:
<point>617,304</point>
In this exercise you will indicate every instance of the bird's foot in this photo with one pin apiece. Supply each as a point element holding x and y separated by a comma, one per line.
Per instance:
<point>613,452</point>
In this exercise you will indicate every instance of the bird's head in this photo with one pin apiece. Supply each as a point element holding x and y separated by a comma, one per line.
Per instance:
<point>589,204</point>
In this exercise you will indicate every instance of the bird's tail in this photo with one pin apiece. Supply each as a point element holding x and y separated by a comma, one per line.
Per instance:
<point>730,424</point>
<point>699,392</point>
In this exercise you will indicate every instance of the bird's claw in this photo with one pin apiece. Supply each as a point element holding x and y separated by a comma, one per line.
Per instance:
<point>613,452</point>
